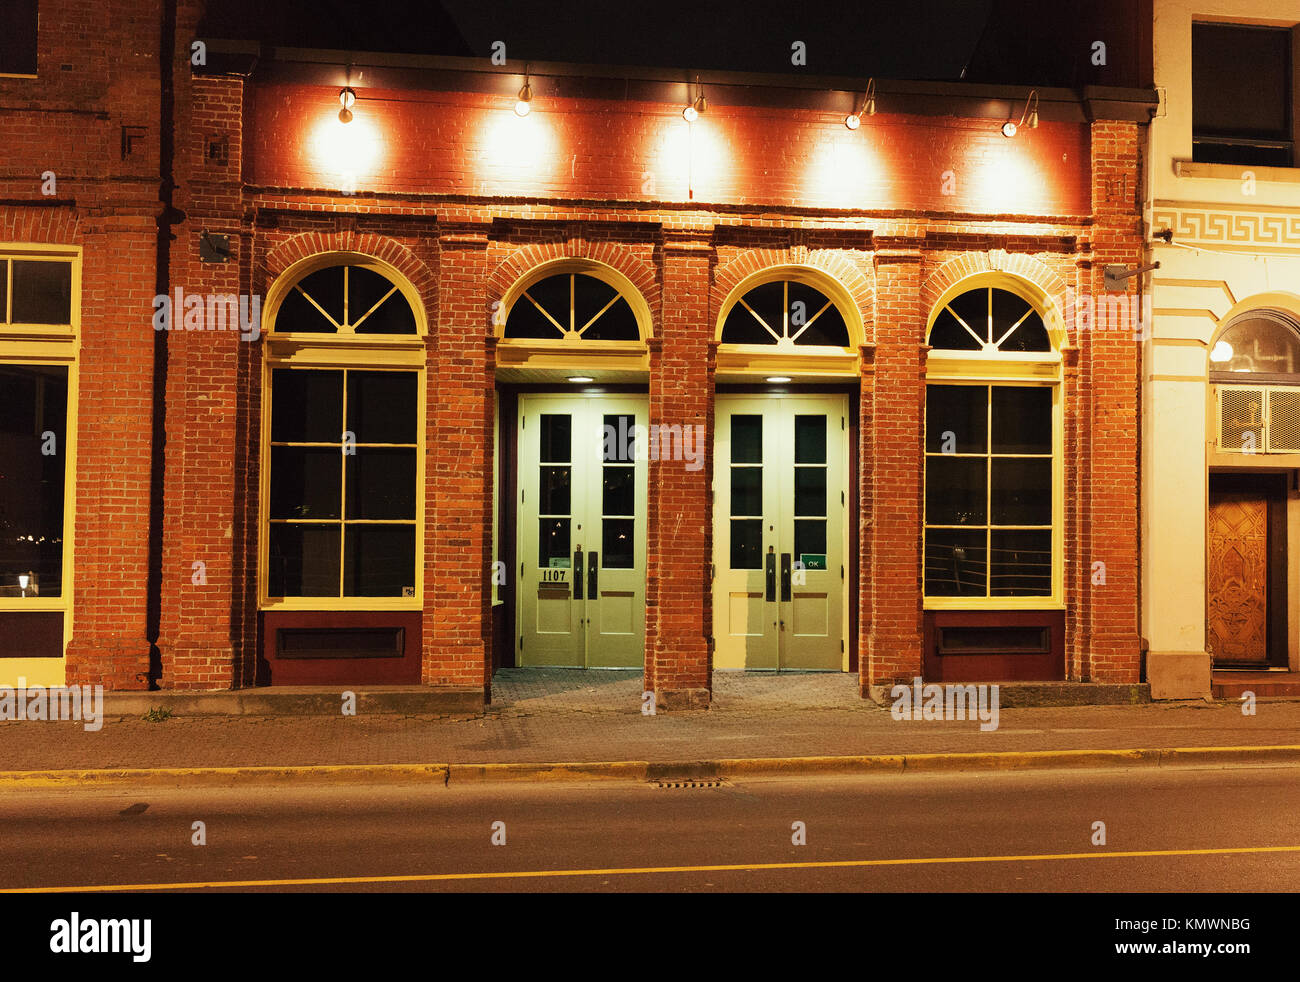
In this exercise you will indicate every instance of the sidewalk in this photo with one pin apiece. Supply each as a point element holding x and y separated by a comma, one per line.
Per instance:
<point>596,716</point>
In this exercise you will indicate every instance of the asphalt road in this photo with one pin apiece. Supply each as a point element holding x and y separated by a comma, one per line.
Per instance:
<point>1228,829</point>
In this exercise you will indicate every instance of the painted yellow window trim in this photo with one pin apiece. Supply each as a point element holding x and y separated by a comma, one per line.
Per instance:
<point>45,344</point>
<point>980,368</point>
<point>366,352</point>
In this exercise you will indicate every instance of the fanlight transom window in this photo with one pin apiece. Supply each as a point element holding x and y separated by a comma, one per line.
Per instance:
<point>569,307</point>
<point>345,300</point>
<point>990,320</point>
<point>785,313</point>
<point>1263,342</point>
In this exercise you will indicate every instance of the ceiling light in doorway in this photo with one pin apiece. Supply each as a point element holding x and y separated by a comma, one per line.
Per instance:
<point>581,378</point>
<point>778,378</point>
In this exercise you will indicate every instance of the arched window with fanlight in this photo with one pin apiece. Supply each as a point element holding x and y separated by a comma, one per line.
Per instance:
<point>992,519</point>
<point>1255,369</point>
<point>789,320</point>
<point>343,438</point>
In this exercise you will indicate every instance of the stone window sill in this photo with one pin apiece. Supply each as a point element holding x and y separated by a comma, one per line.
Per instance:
<point>1233,172</point>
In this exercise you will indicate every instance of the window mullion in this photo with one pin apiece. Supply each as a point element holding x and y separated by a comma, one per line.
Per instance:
<point>343,479</point>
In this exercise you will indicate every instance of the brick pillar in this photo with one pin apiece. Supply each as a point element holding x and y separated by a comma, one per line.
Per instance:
<point>1112,361</point>
<point>109,644</point>
<point>892,491</point>
<point>679,605</point>
<point>458,474</point>
<point>207,623</point>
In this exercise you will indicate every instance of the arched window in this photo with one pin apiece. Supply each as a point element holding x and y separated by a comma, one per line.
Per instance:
<point>992,477</point>
<point>1255,368</point>
<point>785,313</point>
<point>989,319</point>
<point>343,461</point>
<point>1265,343</point>
<point>571,306</point>
<point>345,298</point>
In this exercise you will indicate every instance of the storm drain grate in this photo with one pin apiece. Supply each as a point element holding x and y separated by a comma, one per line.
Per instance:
<point>716,783</point>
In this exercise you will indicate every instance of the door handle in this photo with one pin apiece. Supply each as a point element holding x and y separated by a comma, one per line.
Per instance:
<point>593,567</point>
<point>785,577</point>
<point>577,574</point>
<point>770,576</point>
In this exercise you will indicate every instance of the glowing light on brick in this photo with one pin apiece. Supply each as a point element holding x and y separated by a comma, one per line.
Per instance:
<point>690,158</point>
<point>1006,181</point>
<point>347,153</point>
<point>520,150</point>
<point>840,172</point>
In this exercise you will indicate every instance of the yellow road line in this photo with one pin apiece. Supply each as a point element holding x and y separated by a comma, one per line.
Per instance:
<point>636,871</point>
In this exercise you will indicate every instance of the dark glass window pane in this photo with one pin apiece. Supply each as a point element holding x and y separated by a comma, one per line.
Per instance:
<point>1022,491</point>
<point>828,329</point>
<point>589,296</point>
<point>956,563</point>
<point>18,37</point>
<point>554,490</point>
<point>1241,85</point>
<point>1022,419</point>
<point>618,496</point>
<point>617,542</point>
<point>379,560</point>
<point>42,292</point>
<point>4,289</point>
<point>1031,335</point>
<point>383,406</point>
<point>809,536</point>
<point>973,308</point>
<point>740,327</point>
<point>306,406</point>
<point>33,402</point>
<point>305,482</point>
<point>810,439</point>
<point>556,431</point>
<point>948,334</point>
<point>325,286</point>
<point>616,324</point>
<point>620,439</point>
<point>553,543</point>
<point>365,289</point>
<point>553,295</point>
<point>961,410</point>
<point>955,490</point>
<point>810,490</point>
<point>297,316</point>
<point>746,439</point>
<point>303,561</point>
<point>1008,308</point>
<point>526,322</point>
<point>1021,564</point>
<point>381,483</point>
<point>746,543</point>
<point>747,491</point>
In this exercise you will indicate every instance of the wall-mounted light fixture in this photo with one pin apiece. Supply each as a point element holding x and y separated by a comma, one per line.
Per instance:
<point>347,99</point>
<point>778,379</point>
<point>581,378</point>
<point>1027,118</point>
<point>868,107</point>
<point>695,107</point>
<point>523,104</point>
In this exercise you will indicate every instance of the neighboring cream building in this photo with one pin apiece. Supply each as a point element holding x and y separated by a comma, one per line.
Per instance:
<point>1220,452</point>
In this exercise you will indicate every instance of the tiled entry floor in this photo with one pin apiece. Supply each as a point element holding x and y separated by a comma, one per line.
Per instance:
<point>612,690</point>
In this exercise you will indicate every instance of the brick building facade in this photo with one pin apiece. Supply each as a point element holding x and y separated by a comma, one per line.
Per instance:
<point>745,277</point>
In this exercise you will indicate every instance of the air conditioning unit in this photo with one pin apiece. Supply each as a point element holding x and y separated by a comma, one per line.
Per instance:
<point>1258,419</point>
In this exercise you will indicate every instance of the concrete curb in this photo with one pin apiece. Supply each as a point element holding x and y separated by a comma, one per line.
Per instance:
<point>640,771</point>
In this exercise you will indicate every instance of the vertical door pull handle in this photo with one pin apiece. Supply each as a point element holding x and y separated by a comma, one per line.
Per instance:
<point>785,577</point>
<point>593,567</point>
<point>770,577</point>
<point>577,574</point>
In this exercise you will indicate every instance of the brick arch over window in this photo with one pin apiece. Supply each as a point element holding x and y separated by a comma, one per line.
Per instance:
<point>285,254</point>
<point>1017,265</point>
<point>830,262</point>
<point>53,227</point>
<point>619,258</point>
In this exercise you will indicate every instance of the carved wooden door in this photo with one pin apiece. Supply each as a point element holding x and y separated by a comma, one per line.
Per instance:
<point>1237,576</point>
